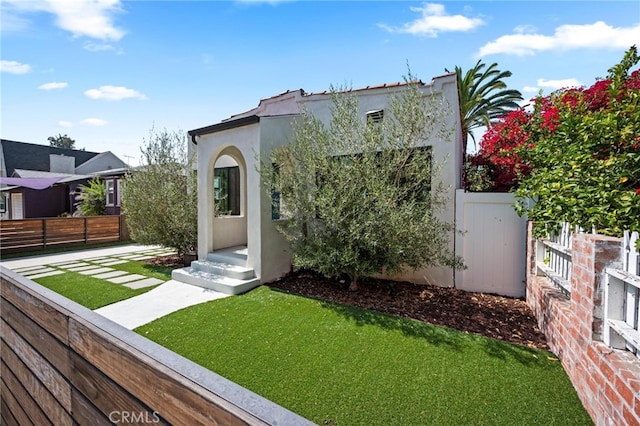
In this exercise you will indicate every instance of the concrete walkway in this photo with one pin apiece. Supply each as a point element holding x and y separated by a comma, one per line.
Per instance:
<point>166,298</point>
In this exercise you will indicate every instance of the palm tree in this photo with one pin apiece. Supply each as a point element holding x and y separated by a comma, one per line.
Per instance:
<point>483,97</point>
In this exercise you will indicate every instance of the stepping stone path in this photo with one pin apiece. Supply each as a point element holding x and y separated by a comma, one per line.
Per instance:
<point>99,267</point>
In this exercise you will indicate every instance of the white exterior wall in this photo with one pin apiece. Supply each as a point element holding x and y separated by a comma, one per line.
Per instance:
<point>493,244</point>
<point>241,143</point>
<point>447,151</point>
<point>276,251</point>
<point>269,252</point>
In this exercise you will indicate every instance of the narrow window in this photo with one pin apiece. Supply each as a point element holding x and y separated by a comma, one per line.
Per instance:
<point>118,192</point>
<point>275,195</point>
<point>110,191</point>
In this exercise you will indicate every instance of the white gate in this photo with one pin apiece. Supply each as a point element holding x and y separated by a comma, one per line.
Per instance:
<point>493,243</point>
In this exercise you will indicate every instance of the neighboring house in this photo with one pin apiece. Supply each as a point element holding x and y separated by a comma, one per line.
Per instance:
<point>42,181</point>
<point>228,180</point>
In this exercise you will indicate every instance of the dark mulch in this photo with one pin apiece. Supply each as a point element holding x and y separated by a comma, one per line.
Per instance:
<point>497,317</point>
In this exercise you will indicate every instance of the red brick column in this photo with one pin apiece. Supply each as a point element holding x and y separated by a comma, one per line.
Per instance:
<point>607,381</point>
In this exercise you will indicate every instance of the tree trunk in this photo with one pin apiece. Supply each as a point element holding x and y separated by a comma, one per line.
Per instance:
<point>353,286</point>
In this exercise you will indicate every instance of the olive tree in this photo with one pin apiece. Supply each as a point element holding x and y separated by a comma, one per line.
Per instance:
<point>357,196</point>
<point>160,196</point>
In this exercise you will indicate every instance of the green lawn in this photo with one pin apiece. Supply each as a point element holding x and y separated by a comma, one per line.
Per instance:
<point>95,293</point>
<point>344,366</point>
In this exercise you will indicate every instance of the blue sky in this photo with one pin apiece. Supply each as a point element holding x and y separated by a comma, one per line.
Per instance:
<point>105,72</point>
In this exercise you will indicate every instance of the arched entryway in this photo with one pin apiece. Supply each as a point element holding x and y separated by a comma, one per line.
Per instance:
<point>228,191</point>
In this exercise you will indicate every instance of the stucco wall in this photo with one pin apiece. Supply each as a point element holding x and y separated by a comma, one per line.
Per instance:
<point>445,151</point>
<point>269,253</point>
<point>242,144</point>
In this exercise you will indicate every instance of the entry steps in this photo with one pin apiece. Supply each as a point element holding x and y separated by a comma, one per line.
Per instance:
<point>224,270</point>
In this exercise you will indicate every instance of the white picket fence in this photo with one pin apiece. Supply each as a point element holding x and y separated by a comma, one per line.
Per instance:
<point>622,299</point>
<point>553,257</point>
<point>621,309</point>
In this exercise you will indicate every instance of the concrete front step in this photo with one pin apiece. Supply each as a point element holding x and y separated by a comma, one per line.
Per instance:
<point>213,281</point>
<point>225,269</point>
<point>234,256</point>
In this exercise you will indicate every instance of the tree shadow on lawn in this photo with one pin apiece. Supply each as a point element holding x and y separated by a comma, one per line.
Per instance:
<point>439,335</point>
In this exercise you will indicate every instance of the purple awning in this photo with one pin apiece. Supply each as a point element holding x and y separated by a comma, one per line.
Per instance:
<point>33,183</point>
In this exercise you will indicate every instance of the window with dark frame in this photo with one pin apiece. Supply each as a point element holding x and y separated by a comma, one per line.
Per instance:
<point>226,187</point>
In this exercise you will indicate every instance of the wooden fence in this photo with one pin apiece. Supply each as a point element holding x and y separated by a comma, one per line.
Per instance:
<point>63,364</point>
<point>34,234</point>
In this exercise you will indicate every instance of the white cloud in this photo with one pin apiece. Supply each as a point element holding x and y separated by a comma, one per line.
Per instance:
<point>114,93</point>
<point>598,35</point>
<point>63,123</point>
<point>101,47</point>
<point>559,84</point>
<point>53,85</point>
<point>82,18</point>
<point>530,89</point>
<point>433,21</point>
<point>14,67</point>
<point>94,121</point>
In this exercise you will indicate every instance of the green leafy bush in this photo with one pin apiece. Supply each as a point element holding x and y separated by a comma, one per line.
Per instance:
<point>91,200</point>
<point>583,155</point>
<point>160,197</point>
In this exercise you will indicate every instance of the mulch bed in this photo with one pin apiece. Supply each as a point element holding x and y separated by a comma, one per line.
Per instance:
<point>502,318</point>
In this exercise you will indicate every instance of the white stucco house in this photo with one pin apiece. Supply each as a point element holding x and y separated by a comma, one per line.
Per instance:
<point>241,248</point>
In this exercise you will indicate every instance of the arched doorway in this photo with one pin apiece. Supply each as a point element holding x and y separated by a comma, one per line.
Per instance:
<point>228,193</point>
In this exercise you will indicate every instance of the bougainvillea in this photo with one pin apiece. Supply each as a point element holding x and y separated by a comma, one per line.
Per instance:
<point>576,154</point>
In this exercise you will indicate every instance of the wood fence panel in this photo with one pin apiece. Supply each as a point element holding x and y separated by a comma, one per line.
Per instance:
<point>21,233</point>
<point>12,407</point>
<point>107,396</point>
<point>64,230</point>
<point>43,314</point>
<point>38,338</point>
<point>136,373</point>
<point>55,382</point>
<point>62,364</point>
<point>85,413</point>
<point>34,234</point>
<point>31,408</point>
<point>6,417</point>
<point>49,404</point>
<point>103,229</point>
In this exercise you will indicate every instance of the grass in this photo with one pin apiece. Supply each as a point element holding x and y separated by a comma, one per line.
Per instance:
<point>94,293</point>
<point>339,365</point>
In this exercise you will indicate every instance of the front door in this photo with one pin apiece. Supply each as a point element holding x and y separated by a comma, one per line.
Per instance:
<point>17,212</point>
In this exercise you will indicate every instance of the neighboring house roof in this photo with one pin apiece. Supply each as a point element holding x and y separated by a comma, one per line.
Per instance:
<point>33,163</point>
<point>22,155</point>
<point>101,162</point>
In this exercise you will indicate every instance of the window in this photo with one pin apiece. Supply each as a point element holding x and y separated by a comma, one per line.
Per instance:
<point>118,192</point>
<point>375,116</point>
<point>3,203</point>
<point>276,197</point>
<point>110,191</point>
<point>226,191</point>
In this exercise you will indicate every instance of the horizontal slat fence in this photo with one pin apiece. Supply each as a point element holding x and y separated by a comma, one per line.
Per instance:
<point>62,364</point>
<point>34,234</point>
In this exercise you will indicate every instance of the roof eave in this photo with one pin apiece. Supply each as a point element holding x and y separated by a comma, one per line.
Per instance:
<point>225,125</point>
